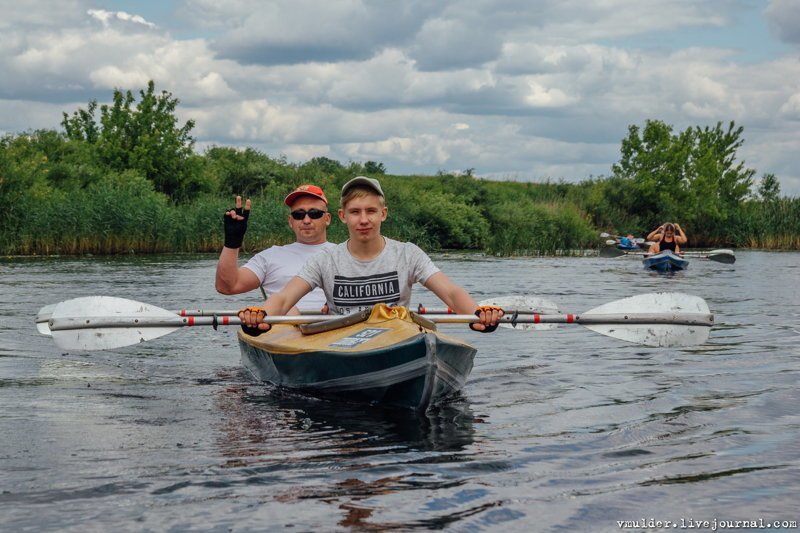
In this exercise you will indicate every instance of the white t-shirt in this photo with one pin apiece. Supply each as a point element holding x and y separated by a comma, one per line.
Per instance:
<point>351,285</point>
<point>276,265</point>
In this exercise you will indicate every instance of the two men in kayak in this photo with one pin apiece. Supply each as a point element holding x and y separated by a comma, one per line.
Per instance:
<point>368,268</point>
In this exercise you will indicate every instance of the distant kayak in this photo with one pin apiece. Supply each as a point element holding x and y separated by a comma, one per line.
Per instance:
<point>624,243</point>
<point>666,261</point>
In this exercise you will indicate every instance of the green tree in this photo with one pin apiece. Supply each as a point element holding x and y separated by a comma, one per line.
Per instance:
<point>653,171</point>
<point>692,177</point>
<point>769,190</point>
<point>372,168</point>
<point>718,182</point>
<point>326,165</point>
<point>146,138</point>
<point>245,172</point>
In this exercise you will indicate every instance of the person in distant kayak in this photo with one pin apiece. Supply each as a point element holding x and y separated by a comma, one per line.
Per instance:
<point>628,242</point>
<point>273,268</point>
<point>667,240</point>
<point>680,235</point>
<point>368,268</point>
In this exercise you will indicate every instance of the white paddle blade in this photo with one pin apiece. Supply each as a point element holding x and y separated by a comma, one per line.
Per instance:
<point>665,335</point>
<point>654,302</point>
<point>525,305</point>
<point>43,317</point>
<point>661,335</point>
<point>77,316</point>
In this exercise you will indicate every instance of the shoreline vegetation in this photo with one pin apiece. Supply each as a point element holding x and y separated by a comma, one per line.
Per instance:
<point>124,178</point>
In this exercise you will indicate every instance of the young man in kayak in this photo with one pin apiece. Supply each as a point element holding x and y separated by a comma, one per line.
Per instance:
<point>273,268</point>
<point>368,268</point>
<point>680,235</point>
<point>668,240</point>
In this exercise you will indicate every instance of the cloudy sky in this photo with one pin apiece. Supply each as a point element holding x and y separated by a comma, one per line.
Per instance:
<point>514,89</point>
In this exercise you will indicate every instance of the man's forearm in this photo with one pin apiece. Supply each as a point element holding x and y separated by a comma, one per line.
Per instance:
<point>227,270</point>
<point>461,302</point>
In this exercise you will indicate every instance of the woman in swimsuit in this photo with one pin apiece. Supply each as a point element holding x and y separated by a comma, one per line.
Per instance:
<point>667,241</point>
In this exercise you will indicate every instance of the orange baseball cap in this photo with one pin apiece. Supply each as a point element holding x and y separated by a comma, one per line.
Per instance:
<point>310,190</point>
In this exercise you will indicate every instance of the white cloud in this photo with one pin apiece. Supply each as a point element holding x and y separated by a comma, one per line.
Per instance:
<point>791,108</point>
<point>109,17</point>
<point>541,96</point>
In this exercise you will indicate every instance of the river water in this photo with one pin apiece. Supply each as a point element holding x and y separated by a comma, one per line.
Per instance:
<point>559,430</point>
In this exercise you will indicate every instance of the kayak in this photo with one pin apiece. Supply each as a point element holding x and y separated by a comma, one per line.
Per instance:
<point>665,261</point>
<point>390,357</point>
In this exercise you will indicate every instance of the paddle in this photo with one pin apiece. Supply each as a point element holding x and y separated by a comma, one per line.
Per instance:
<point>105,322</point>
<point>522,304</point>
<point>637,240</point>
<point>656,319</point>
<point>720,256</point>
<point>46,312</point>
<point>616,252</point>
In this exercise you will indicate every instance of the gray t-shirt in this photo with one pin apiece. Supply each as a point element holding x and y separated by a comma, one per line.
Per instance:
<point>275,266</point>
<point>351,285</point>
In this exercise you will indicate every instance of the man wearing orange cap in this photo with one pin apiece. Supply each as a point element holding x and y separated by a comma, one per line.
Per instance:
<point>274,267</point>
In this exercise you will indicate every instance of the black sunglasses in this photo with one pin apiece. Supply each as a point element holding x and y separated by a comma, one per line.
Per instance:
<point>314,214</point>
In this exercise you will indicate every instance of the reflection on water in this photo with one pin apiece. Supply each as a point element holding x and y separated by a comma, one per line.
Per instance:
<point>268,432</point>
<point>259,418</point>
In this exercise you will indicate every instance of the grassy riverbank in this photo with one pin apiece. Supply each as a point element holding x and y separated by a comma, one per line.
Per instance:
<point>123,214</point>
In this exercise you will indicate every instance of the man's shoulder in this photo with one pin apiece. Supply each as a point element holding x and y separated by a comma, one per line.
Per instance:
<point>294,249</point>
<point>403,246</point>
<point>299,246</point>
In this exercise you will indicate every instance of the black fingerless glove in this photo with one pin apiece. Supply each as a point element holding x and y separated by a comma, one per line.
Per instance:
<point>253,332</point>
<point>235,229</point>
<point>488,329</point>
